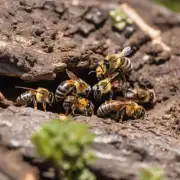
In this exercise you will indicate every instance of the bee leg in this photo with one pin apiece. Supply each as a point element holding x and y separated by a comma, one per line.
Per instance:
<point>111,95</point>
<point>85,112</point>
<point>73,110</point>
<point>66,112</point>
<point>28,103</point>
<point>74,91</point>
<point>44,105</point>
<point>35,103</point>
<point>124,77</point>
<point>120,114</point>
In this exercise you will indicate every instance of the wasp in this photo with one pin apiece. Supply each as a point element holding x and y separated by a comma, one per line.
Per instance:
<point>79,104</point>
<point>114,62</point>
<point>39,95</point>
<point>74,86</point>
<point>118,109</point>
<point>107,85</point>
<point>139,95</point>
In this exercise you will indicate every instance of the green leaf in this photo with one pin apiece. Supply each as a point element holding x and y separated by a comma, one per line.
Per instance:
<point>71,149</point>
<point>120,26</point>
<point>43,145</point>
<point>129,21</point>
<point>65,144</point>
<point>66,165</point>
<point>86,175</point>
<point>120,19</point>
<point>151,174</point>
<point>89,157</point>
<point>117,15</point>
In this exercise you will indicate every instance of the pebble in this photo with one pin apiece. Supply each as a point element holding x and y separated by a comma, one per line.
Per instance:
<point>14,143</point>
<point>166,116</point>
<point>5,123</point>
<point>96,16</point>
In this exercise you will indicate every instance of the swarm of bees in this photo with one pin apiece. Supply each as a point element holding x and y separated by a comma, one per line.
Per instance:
<point>112,73</point>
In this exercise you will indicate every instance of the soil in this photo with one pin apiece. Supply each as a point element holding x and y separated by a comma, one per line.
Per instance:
<point>39,39</point>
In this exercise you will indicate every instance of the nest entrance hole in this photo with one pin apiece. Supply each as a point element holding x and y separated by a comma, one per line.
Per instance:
<point>7,87</point>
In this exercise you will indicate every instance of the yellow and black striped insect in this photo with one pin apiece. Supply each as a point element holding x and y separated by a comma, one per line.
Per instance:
<point>118,109</point>
<point>139,95</point>
<point>108,86</point>
<point>35,96</point>
<point>74,86</point>
<point>114,63</point>
<point>78,104</point>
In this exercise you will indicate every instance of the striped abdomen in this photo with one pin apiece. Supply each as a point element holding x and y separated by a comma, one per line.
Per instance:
<point>108,107</point>
<point>64,89</point>
<point>25,97</point>
<point>125,65</point>
<point>130,94</point>
<point>68,102</point>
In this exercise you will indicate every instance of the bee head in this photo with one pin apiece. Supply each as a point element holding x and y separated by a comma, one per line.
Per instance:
<point>51,98</point>
<point>85,88</point>
<point>99,73</point>
<point>101,69</point>
<point>139,112</point>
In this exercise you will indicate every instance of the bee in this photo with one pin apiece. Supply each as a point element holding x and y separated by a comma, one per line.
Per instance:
<point>74,86</point>
<point>118,109</point>
<point>39,95</point>
<point>79,104</point>
<point>107,85</point>
<point>115,62</point>
<point>139,95</point>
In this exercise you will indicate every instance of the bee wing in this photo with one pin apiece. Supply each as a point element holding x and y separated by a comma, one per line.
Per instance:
<point>113,75</point>
<point>71,75</point>
<point>127,51</point>
<point>26,88</point>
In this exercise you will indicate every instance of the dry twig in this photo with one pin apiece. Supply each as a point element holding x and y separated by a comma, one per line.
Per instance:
<point>153,33</point>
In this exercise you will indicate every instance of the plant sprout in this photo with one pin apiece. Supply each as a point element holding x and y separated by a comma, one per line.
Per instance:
<point>151,174</point>
<point>120,19</point>
<point>65,144</point>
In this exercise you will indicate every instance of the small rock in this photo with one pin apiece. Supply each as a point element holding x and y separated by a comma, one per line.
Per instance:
<point>85,27</point>
<point>60,8</point>
<point>166,116</point>
<point>96,16</point>
<point>128,31</point>
<point>63,117</point>
<point>77,11</point>
<point>14,143</point>
<point>145,83</point>
<point>5,123</point>
<point>38,30</point>
<point>108,139</point>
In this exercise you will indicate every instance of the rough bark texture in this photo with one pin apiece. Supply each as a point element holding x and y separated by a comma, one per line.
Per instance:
<point>39,39</point>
